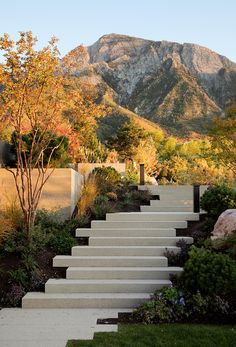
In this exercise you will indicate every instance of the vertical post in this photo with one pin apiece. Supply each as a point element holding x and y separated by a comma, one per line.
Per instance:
<point>196,198</point>
<point>141,172</point>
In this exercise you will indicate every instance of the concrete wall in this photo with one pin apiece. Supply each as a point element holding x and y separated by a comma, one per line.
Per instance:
<point>60,192</point>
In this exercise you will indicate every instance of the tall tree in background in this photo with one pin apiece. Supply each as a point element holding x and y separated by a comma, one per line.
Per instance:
<point>35,97</point>
<point>127,140</point>
<point>223,138</point>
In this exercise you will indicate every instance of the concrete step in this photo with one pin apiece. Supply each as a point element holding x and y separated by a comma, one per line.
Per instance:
<point>137,224</point>
<point>132,232</point>
<point>137,241</point>
<point>116,261</point>
<point>104,286</point>
<point>166,208</point>
<point>83,300</point>
<point>169,201</point>
<point>121,272</point>
<point>151,216</point>
<point>122,251</point>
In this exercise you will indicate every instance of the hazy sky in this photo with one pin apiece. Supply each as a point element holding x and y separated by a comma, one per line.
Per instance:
<point>210,23</point>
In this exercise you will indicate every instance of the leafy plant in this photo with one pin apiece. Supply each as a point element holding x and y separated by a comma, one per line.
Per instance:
<point>217,199</point>
<point>107,178</point>
<point>209,272</point>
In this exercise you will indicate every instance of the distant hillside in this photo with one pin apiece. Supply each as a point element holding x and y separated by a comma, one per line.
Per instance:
<point>178,86</point>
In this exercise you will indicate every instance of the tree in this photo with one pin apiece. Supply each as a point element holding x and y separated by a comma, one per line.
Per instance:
<point>127,140</point>
<point>223,138</point>
<point>36,92</point>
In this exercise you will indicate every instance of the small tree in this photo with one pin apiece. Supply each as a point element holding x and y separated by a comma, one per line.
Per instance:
<point>32,101</point>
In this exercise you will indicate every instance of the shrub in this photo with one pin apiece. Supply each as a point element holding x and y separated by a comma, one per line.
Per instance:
<point>217,199</point>
<point>11,218</point>
<point>165,306</point>
<point>112,196</point>
<point>88,195</point>
<point>61,241</point>
<point>178,259</point>
<point>131,177</point>
<point>209,272</point>
<point>107,178</point>
<point>227,244</point>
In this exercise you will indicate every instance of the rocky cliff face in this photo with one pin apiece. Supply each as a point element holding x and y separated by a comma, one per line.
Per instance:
<point>166,82</point>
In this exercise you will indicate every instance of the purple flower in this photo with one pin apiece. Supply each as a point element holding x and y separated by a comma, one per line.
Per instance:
<point>182,301</point>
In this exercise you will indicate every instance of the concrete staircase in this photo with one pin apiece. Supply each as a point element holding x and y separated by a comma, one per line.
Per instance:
<point>124,262</point>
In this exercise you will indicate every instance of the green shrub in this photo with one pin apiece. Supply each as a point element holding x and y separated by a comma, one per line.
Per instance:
<point>107,178</point>
<point>227,244</point>
<point>61,242</point>
<point>165,306</point>
<point>209,272</point>
<point>217,199</point>
<point>131,177</point>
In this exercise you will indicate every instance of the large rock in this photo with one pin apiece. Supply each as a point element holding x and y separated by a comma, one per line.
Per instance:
<point>225,224</point>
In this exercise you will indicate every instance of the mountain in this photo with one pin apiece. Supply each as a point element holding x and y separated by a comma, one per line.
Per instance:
<point>177,86</point>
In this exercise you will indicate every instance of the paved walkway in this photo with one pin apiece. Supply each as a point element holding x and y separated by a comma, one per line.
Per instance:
<point>51,327</point>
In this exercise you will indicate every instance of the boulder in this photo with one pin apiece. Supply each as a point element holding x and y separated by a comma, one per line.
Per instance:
<point>225,224</point>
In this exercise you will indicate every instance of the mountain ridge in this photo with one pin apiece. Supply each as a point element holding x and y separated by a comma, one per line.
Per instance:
<point>164,82</point>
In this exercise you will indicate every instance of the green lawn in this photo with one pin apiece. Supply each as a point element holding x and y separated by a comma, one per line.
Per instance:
<point>164,335</point>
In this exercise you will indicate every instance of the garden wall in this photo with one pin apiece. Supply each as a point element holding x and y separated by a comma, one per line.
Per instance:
<point>60,192</point>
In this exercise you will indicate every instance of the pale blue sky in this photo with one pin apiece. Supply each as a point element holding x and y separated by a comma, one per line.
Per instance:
<point>210,23</point>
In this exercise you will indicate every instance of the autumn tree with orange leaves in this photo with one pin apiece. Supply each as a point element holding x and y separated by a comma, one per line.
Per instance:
<point>35,97</point>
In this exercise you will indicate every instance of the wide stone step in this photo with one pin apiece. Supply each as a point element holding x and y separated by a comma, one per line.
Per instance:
<point>137,224</point>
<point>170,201</point>
<point>132,232</point>
<point>152,216</point>
<point>99,261</point>
<point>83,300</point>
<point>104,286</point>
<point>137,241</point>
<point>166,208</point>
<point>122,272</point>
<point>88,251</point>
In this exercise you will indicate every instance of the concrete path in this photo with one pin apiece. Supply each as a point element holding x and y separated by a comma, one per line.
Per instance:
<point>51,327</point>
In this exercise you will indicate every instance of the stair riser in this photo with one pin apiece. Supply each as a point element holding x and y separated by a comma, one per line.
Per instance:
<point>96,241</point>
<point>110,262</point>
<point>166,209</point>
<point>126,232</point>
<point>103,288</point>
<point>123,252</point>
<point>82,303</point>
<point>114,274</point>
<point>169,201</point>
<point>151,217</point>
<point>138,224</point>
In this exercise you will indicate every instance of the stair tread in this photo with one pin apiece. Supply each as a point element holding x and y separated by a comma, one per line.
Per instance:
<point>106,268</point>
<point>104,281</point>
<point>35,295</point>
<point>108,257</point>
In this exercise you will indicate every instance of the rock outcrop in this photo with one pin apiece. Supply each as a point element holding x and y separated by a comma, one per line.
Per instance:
<point>174,85</point>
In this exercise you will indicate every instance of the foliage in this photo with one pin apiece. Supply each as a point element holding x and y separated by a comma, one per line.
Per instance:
<point>227,244</point>
<point>88,195</point>
<point>107,178</point>
<point>209,272</point>
<point>42,105</point>
<point>112,196</point>
<point>127,140</point>
<point>222,135</point>
<point>166,305</point>
<point>179,258</point>
<point>131,177</point>
<point>217,199</point>
<point>11,218</point>
<point>60,241</point>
